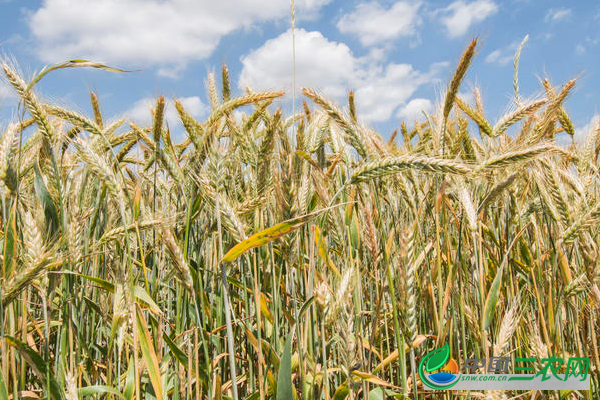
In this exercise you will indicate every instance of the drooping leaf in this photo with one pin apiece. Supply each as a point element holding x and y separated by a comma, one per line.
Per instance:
<point>371,378</point>
<point>268,235</point>
<point>142,295</point>
<point>182,357</point>
<point>72,64</point>
<point>98,390</point>
<point>177,352</point>
<point>305,306</point>
<point>106,285</point>
<point>138,292</point>
<point>39,366</point>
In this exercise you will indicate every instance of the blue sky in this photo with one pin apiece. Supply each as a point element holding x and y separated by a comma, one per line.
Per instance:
<point>396,55</point>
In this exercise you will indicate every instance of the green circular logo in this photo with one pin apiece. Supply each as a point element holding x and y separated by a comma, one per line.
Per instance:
<point>434,361</point>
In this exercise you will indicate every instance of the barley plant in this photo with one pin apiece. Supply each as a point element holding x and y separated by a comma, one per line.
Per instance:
<point>273,256</point>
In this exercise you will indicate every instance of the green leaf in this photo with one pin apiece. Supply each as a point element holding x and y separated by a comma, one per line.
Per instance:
<point>341,392</point>
<point>3,391</point>
<point>284,377</point>
<point>437,358</point>
<point>10,242</point>
<point>43,195</point>
<point>130,381</point>
<point>376,394</point>
<point>138,292</point>
<point>253,396</point>
<point>380,393</point>
<point>72,64</point>
<point>39,366</point>
<point>305,306</point>
<point>98,389</point>
<point>492,296</point>
<point>492,299</point>
<point>182,358</point>
<point>142,295</point>
<point>106,285</point>
<point>354,230</point>
<point>177,352</point>
<point>148,352</point>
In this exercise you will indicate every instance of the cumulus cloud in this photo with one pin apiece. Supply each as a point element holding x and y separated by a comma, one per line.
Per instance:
<point>320,63</point>
<point>582,133</point>
<point>557,14</point>
<point>141,33</point>
<point>140,111</point>
<point>413,110</point>
<point>5,91</point>
<point>467,97</point>
<point>504,55</point>
<point>460,15</point>
<point>8,99</point>
<point>373,23</point>
<point>331,68</point>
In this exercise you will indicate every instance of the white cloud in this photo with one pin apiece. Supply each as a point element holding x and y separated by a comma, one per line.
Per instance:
<point>6,91</point>
<point>579,49</point>
<point>331,68</point>
<point>8,96</point>
<point>140,112</point>
<point>328,66</point>
<point>467,97</point>
<point>141,33</point>
<point>373,23</point>
<point>413,110</point>
<point>379,95</point>
<point>496,56</point>
<point>504,55</point>
<point>459,16</point>
<point>557,14</point>
<point>582,133</point>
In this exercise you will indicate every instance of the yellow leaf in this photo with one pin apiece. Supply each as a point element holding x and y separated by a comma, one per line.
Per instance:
<point>149,353</point>
<point>322,249</point>
<point>372,379</point>
<point>268,235</point>
<point>394,355</point>
<point>264,307</point>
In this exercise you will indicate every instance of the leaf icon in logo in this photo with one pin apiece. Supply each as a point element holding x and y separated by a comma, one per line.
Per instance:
<point>437,358</point>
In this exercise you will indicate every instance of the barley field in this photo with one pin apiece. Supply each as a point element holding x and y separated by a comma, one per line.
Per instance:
<point>273,256</point>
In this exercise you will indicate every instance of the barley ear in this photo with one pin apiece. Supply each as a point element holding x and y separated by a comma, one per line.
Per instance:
<point>459,74</point>
<point>96,109</point>
<point>516,69</point>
